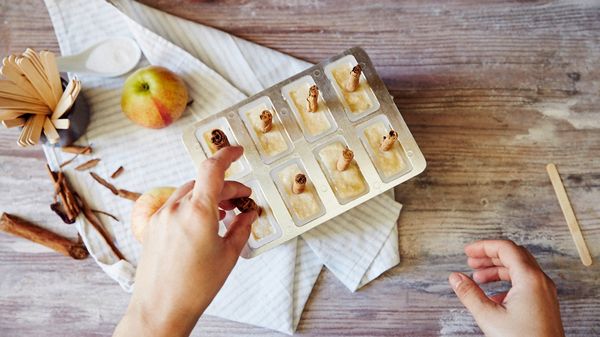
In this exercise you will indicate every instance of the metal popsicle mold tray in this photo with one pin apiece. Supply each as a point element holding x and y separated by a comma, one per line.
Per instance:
<point>311,143</point>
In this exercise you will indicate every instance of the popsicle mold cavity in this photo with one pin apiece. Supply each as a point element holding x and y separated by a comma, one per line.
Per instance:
<point>347,181</point>
<point>217,135</point>
<point>298,192</point>
<point>352,87</point>
<point>309,108</point>
<point>384,149</point>
<point>266,129</point>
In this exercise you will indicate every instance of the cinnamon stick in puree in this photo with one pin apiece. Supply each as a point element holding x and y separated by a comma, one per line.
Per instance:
<point>219,139</point>
<point>354,78</point>
<point>299,183</point>
<point>388,141</point>
<point>246,204</point>
<point>313,99</point>
<point>345,159</point>
<point>15,225</point>
<point>266,119</point>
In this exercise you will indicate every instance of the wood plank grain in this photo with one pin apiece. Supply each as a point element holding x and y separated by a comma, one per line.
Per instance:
<point>491,92</point>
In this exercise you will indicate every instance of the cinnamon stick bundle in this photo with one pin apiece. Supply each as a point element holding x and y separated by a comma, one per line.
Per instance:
<point>15,225</point>
<point>67,209</point>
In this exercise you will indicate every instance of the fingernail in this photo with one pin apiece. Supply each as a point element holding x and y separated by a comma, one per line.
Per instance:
<point>455,279</point>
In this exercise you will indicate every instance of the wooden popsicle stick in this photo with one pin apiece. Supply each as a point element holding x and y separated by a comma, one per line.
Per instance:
<point>13,73</point>
<point>9,114</point>
<point>18,98</point>
<point>23,111</point>
<point>49,61</point>
<point>567,210</point>
<point>9,90</point>
<point>37,81</point>
<point>50,131</point>
<point>37,63</point>
<point>65,101</point>
<point>24,132</point>
<point>9,103</point>
<point>61,124</point>
<point>36,131</point>
<point>68,98</point>
<point>11,123</point>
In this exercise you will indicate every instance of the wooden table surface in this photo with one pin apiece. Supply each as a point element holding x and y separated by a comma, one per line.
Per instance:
<point>492,93</point>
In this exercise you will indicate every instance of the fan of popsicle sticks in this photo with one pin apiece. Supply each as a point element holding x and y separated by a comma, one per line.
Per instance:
<point>32,96</point>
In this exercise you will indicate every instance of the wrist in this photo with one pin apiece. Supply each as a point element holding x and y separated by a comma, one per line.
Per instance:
<point>156,320</point>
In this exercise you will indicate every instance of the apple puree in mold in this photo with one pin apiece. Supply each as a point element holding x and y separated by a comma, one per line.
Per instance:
<point>388,162</point>
<point>305,204</point>
<point>272,141</point>
<point>315,123</point>
<point>261,228</point>
<point>235,167</point>
<point>357,100</point>
<point>346,184</point>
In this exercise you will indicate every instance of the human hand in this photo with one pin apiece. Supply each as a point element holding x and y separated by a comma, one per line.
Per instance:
<point>529,308</point>
<point>185,262</point>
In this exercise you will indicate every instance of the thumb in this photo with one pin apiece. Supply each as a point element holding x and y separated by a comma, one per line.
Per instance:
<point>239,231</point>
<point>471,296</point>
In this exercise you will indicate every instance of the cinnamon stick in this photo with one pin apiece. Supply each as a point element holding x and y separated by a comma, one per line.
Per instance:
<point>77,149</point>
<point>133,196</point>
<point>299,183</point>
<point>246,204</point>
<point>105,183</point>
<point>345,159</point>
<point>70,210</point>
<point>219,139</point>
<point>106,213</point>
<point>117,172</point>
<point>85,150</point>
<point>313,99</point>
<point>88,164</point>
<point>266,119</point>
<point>389,141</point>
<point>354,78</point>
<point>15,225</point>
<point>97,224</point>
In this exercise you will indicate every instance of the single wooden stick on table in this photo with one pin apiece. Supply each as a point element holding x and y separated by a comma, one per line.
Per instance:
<point>17,226</point>
<point>567,210</point>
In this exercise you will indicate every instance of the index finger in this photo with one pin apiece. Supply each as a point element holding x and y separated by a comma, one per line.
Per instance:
<point>506,251</point>
<point>211,174</point>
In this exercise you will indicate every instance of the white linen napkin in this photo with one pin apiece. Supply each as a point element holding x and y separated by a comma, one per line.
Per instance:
<point>220,70</point>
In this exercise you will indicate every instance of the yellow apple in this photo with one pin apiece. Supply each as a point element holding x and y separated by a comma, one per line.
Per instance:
<point>145,206</point>
<point>154,97</point>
